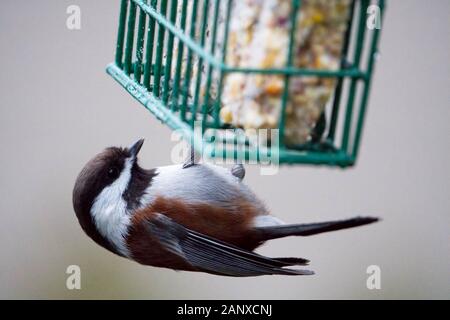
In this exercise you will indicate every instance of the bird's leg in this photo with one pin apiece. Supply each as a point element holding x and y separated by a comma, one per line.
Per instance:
<point>192,158</point>
<point>238,170</point>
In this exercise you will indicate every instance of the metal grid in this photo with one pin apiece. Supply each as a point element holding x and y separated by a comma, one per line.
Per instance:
<point>145,61</point>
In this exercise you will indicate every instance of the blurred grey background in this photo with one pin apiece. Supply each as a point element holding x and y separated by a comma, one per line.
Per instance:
<point>58,108</point>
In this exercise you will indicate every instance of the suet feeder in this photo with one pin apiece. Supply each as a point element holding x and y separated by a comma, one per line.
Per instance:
<point>194,62</point>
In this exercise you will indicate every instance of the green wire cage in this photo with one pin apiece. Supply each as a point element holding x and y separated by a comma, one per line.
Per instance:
<point>172,57</point>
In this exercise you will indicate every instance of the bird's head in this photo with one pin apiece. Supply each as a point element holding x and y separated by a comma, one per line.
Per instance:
<point>106,177</point>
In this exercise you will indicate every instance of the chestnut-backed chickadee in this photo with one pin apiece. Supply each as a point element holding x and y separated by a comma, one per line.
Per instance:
<point>195,217</point>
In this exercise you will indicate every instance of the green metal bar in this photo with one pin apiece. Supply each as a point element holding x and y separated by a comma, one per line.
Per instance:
<point>292,71</point>
<point>149,48</point>
<point>222,74</point>
<point>176,81</point>
<point>130,39</point>
<point>339,86</point>
<point>365,97</point>
<point>187,40</point>
<point>169,53</point>
<point>203,28</point>
<point>121,32</point>
<point>293,21</point>
<point>340,159</point>
<point>285,156</point>
<point>356,62</point>
<point>139,45</point>
<point>187,77</point>
<point>210,69</point>
<point>159,53</point>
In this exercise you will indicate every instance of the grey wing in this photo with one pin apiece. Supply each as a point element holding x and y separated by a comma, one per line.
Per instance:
<point>213,256</point>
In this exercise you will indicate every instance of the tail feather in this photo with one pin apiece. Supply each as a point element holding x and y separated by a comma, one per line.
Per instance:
<point>280,231</point>
<point>292,261</point>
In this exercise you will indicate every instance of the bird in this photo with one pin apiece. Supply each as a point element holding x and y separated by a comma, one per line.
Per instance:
<point>187,217</point>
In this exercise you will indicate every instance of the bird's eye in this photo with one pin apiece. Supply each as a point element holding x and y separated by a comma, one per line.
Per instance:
<point>113,172</point>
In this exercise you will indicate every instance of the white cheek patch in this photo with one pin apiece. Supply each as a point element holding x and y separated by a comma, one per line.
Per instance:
<point>110,212</point>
